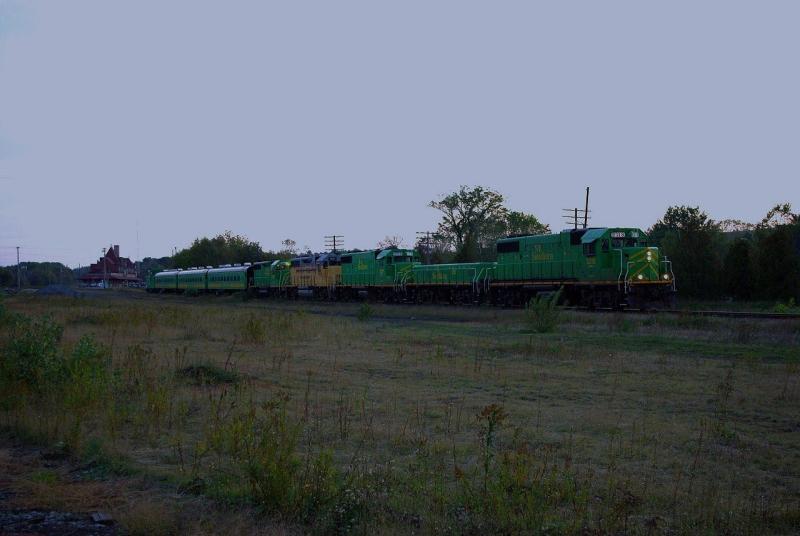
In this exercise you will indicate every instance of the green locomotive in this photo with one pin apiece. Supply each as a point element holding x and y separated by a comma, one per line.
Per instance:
<point>376,274</point>
<point>601,267</point>
<point>597,267</point>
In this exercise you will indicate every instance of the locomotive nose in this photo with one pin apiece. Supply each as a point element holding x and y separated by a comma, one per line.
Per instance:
<point>644,265</point>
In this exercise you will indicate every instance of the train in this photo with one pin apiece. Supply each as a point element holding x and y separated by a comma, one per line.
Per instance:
<point>605,267</point>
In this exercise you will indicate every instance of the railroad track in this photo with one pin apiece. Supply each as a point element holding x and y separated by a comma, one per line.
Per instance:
<point>736,314</point>
<point>693,312</point>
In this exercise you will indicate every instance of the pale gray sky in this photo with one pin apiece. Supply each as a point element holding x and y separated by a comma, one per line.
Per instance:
<point>301,119</point>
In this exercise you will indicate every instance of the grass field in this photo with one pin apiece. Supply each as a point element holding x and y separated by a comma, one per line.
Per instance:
<point>361,419</point>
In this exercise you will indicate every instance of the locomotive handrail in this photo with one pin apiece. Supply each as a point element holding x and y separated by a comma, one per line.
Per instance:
<point>401,280</point>
<point>627,271</point>
<point>620,276</point>
<point>475,279</point>
<point>668,266</point>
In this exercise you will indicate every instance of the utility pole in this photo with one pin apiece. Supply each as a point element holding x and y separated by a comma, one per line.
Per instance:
<point>572,215</point>
<point>105,284</point>
<point>586,210</point>
<point>424,237</point>
<point>333,242</point>
<point>19,281</point>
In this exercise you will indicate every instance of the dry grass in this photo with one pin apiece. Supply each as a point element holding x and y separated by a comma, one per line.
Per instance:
<point>633,424</point>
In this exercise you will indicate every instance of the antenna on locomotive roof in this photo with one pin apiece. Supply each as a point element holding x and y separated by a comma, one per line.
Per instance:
<point>572,214</point>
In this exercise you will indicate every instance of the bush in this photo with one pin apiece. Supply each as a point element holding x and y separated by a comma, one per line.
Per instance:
<point>263,443</point>
<point>542,314</point>
<point>788,307</point>
<point>253,331</point>
<point>32,362</point>
<point>31,357</point>
<point>364,312</point>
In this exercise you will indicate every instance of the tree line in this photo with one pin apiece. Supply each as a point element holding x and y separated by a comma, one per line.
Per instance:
<point>37,274</point>
<point>731,258</point>
<point>711,259</point>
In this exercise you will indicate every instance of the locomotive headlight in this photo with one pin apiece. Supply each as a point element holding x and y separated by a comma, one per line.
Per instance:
<point>649,256</point>
<point>666,276</point>
<point>640,277</point>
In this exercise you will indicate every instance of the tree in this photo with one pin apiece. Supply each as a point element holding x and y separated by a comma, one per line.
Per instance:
<point>473,219</point>
<point>289,246</point>
<point>393,241</point>
<point>738,270</point>
<point>735,226</point>
<point>780,215</point>
<point>778,257</point>
<point>222,249</point>
<point>466,215</point>
<point>7,277</point>
<point>692,241</point>
<point>519,223</point>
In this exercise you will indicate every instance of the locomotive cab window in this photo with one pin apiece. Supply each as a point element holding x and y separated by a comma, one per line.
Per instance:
<point>605,244</point>
<point>589,249</point>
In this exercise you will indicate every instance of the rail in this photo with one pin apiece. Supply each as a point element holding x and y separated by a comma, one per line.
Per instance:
<point>692,312</point>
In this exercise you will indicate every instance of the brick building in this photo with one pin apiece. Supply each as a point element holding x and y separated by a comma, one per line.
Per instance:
<point>117,271</point>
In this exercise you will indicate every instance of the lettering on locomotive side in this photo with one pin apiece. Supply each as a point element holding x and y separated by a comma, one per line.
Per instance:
<point>543,257</point>
<point>618,234</point>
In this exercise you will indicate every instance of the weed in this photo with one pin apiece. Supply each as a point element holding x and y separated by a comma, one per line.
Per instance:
<point>789,307</point>
<point>44,476</point>
<point>207,374</point>
<point>620,324</point>
<point>31,358</point>
<point>490,418</point>
<point>542,314</point>
<point>253,331</point>
<point>364,312</point>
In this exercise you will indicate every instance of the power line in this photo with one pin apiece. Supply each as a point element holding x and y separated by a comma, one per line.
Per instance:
<point>424,237</point>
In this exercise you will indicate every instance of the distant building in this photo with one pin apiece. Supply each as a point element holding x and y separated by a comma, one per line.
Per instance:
<point>115,270</point>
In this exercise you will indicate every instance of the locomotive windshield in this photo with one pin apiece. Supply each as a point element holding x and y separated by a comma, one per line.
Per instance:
<point>625,243</point>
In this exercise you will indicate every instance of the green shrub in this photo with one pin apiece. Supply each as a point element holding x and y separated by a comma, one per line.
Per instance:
<point>542,314</point>
<point>31,356</point>
<point>86,376</point>
<point>262,441</point>
<point>788,307</point>
<point>253,330</point>
<point>364,312</point>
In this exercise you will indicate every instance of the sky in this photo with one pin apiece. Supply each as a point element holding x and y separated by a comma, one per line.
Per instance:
<point>149,123</point>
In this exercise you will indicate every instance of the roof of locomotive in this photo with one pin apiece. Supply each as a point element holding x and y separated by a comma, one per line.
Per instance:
<point>584,236</point>
<point>395,252</point>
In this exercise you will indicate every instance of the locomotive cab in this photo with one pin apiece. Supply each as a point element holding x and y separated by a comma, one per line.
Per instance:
<point>645,274</point>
